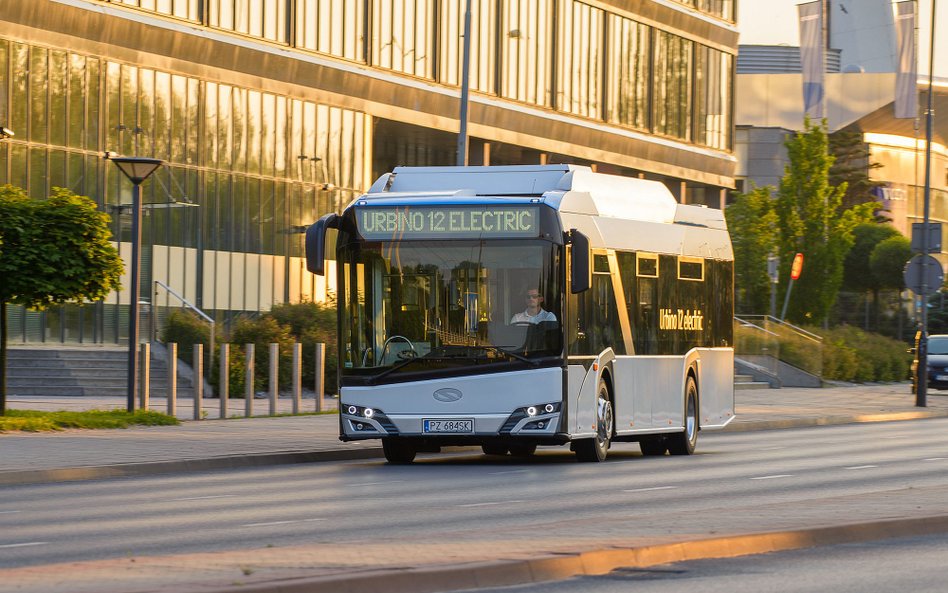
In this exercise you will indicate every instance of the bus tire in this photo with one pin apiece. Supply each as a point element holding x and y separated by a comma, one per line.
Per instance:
<point>494,449</point>
<point>596,449</point>
<point>398,451</point>
<point>522,449</point>
<point>653,446</point>
<point>684,443</point>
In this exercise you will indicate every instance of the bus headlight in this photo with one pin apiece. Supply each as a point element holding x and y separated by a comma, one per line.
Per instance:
<point>368,412</point>
<point>532,411</point>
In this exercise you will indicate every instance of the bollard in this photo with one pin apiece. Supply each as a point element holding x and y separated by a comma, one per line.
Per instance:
<point>249,379</point>
<point>320,386</point>
<point>223,386</point>
<point>172,379</point>
<point>144,377</point>
<point>297,376</point>
<point>198,380</point>
<point>274,377</point>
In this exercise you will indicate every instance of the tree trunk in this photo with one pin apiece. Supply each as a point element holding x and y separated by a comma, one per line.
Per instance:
<point>3,358</point>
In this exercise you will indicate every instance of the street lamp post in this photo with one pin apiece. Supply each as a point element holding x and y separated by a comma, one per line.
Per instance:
<point>137,169</point>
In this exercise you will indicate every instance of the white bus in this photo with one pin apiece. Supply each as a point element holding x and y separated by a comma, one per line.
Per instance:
<point>516,306</point>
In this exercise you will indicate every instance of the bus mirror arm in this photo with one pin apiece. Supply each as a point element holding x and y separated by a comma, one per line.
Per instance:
<point>316,243</point>
<point>580,273</point>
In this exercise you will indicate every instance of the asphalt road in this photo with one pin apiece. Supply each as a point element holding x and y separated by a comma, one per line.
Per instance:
<point>909,564</point>
<point>742,481</point>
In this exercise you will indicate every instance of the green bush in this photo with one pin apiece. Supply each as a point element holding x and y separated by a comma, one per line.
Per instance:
<point>851,354</point>
<point>185,329</point>
<point>260,332</point>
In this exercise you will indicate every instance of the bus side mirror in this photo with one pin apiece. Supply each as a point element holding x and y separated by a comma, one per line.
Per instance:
<point>316,243</point>
<point>580,272</point>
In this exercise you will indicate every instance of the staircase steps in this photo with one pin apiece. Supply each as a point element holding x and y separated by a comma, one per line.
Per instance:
<point>747,382</point>
<point>92,371</point>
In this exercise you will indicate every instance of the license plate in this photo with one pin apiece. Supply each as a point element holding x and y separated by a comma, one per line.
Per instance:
<point>941,377</point>
<point>447,425</point>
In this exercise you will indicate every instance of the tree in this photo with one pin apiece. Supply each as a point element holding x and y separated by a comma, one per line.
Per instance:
<point>753,223</point>
<point>858,275</point>
<point>52,251</point>
<point>812,221</point>
<point>852,166</point>
<point>887,263</point>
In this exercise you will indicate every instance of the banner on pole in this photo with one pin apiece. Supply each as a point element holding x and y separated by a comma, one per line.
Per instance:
<point>812,49</point>
<point>906,87</point>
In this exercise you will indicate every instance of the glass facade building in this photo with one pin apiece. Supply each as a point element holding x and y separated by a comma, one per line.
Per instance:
<point>270,113</point>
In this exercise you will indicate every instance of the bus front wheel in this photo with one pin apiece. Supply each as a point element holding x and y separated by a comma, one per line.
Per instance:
<point>596,449</point>
<point>684,443</point>
<point>398,451</point>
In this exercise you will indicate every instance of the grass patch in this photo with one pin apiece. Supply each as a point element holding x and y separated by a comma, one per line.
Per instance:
<point>37,421</point>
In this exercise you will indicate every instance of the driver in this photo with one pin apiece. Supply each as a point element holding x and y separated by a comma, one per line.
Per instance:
<point>534,313</point>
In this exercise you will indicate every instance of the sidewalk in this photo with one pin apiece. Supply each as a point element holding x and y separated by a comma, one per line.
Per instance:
<point>463,562</point>
<point>264,440</point>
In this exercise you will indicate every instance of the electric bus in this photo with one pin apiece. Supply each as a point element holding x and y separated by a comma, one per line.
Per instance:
<point>512,307</point>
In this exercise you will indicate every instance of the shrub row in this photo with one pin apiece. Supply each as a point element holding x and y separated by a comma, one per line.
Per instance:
<point>306,323</point>
<point>852,354</point>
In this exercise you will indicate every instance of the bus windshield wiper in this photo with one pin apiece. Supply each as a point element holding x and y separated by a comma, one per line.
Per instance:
<point>500,350</point>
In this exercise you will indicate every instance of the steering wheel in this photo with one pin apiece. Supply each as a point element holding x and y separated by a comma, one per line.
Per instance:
<point>402,354</point>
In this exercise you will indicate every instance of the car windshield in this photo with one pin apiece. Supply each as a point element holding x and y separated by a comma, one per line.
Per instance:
<point>938,345</point>
<point>441,304</point>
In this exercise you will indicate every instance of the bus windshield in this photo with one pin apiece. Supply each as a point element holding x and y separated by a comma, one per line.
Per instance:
<point>421,306</point>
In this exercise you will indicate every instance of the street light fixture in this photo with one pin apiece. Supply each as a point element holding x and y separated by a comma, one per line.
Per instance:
<point>137,169</point>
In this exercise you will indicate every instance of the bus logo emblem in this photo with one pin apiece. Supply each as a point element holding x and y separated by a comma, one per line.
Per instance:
<point>447,395</point>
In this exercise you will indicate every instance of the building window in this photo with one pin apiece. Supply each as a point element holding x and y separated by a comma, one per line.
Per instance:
<point>629,61</point>
<point>579,67</point>
<point>403,36</point>
<point>483,48</point>
<point>334,27</point>
<point>713,98</point>
<point>265,19</point>
<point>526,40</point>
<point>671,84</point>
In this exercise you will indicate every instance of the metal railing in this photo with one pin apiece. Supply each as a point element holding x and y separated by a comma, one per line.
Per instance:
<point>769,338</point>
<point>160,314</point>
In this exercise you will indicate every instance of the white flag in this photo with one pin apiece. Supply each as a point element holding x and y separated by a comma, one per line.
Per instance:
<point>811,57</point>
<point>906,87</point>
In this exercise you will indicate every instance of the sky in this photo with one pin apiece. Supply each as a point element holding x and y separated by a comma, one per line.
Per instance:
<point>773,22</point>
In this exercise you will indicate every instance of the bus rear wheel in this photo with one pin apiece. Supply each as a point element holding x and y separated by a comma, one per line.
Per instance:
<point>398,451</point>
<point>596,449</point>
<point>684,443</point>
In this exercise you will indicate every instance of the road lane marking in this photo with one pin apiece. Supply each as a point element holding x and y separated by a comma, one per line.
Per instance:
<point>771,448</point>
<point>23,545</point>
<point>651,489</point>
<point>487,504</point>
<point>376,483</point>
<point>9,512</point>
<point>929,459</point>
<point>512,471</point>
<point>268,523</point>
<point>203,497</point>
<point>861,467</point>
<point>773,477</point>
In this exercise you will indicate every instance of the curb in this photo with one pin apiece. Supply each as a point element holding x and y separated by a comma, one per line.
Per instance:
<point>148,468</point>
<point>594,562</point>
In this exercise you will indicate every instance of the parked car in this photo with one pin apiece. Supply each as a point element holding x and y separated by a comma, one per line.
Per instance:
<point>937,361</point>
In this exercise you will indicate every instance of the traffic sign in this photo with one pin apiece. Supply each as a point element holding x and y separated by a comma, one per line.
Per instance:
<point>934,237</point>
<point>923,267</point>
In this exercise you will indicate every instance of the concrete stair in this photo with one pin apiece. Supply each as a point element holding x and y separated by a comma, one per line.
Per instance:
<point>747,382</point>
<point>94,370</point>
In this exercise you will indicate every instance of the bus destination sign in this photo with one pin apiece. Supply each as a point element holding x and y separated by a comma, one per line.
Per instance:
<point>448,222</point>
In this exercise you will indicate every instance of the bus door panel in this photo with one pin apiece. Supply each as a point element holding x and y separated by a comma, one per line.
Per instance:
<point>716,387</point>
<point>632,407</point>
<point>660,387</point>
